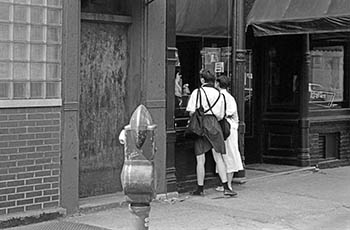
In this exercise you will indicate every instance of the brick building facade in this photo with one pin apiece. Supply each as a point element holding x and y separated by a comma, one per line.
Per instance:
<point>30,159</point>
<point>38,108</point>
<point>41,97</point>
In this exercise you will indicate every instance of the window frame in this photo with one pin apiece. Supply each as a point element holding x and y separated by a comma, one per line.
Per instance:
<point>332,40</point>
<point>323,89</point>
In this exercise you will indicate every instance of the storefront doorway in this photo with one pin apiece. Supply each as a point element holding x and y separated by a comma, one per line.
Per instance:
<point>272,105</point>
<point>190,54</point>
<point>301,81</point>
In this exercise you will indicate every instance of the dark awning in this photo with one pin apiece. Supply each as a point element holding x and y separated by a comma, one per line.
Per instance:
<point>277,17</point>
<point>203,18</point>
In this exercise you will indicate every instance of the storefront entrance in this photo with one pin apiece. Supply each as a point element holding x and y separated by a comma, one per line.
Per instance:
<point>190,54</point>
<point>301,82</point>
<point>272,103</point>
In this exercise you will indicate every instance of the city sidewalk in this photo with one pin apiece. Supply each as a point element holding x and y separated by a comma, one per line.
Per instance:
<point>271,198</point>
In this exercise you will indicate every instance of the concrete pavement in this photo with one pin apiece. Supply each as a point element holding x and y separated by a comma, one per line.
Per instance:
<point>299,199</point>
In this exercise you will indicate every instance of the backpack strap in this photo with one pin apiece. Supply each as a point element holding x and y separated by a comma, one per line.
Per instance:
<point>199,97</point>
<point>211,106</point>
<point>225,102</point>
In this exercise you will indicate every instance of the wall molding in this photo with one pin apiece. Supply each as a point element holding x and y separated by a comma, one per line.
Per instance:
<point>71,106</point>
<point>156,104</point>
<point>106,18</point>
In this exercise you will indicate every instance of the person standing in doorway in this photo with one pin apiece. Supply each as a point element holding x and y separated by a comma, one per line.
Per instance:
<point>178,87</point>
<point>232,158</point>
<point>213,105</point>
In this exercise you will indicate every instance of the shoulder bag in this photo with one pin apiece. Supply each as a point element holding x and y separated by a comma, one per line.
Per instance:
<point>195,125</point>
<point>225,125</point>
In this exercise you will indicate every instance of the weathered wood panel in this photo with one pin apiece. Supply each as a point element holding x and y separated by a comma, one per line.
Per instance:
<point>104,61</point>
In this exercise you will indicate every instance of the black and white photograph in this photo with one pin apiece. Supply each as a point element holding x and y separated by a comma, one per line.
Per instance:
<point>175,114</point>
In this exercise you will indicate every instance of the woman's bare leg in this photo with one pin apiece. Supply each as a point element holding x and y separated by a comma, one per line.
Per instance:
<point>229,180</point>
<point>220,166</point>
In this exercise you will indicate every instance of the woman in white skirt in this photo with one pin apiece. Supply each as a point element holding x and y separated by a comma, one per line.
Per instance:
<point>232,158</point>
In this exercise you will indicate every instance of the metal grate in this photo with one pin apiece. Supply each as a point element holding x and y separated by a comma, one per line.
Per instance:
<point>322,146</point>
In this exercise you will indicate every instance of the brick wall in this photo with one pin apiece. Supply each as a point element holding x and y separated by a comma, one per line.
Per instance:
<point>340,127</point>
<point>29,159</point>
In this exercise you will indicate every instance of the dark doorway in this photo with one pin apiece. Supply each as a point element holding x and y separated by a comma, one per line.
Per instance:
<point>190,57</point>
<point>277,65</point>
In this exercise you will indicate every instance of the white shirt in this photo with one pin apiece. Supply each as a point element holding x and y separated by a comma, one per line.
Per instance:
<point>213,94</point>
<point>231,105</point>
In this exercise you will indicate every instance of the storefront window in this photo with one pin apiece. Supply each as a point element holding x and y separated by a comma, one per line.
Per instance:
<point>282,76</point>
<point>326,86</point>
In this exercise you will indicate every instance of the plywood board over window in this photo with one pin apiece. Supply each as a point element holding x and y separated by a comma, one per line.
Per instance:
<point>30,52</point>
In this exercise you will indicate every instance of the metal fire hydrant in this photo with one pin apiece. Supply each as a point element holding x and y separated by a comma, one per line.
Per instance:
<point>138,173</point>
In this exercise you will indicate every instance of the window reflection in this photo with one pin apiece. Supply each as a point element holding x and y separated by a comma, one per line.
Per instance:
<point>326,86</point>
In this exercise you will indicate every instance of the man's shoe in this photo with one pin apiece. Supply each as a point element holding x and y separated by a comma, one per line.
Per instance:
<point>197,193</point>
<point>219,189</point>
<point>228,192</point>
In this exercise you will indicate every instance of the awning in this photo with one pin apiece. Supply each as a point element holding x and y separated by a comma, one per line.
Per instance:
<point>278,17</point>
<point>203,18</point>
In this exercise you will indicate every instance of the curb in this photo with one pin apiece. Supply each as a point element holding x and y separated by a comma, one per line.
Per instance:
<point>312,168</point>
<point>103,202</point>
<point>116,200</point>
<point>31,217</point>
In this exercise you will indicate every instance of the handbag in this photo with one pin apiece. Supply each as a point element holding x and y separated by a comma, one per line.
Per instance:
<point>195,125</point>
<point>225,125</point>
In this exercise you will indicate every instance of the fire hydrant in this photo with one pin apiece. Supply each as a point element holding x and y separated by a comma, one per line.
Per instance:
<point>138,173</point>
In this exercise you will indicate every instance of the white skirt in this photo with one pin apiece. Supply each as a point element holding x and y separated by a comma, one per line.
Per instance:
<point>232,158</point>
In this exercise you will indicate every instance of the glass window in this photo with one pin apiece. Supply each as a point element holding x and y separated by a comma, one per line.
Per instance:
<point>20,13</point>
<point>4,31</point>
<point>4,70</point>
<point>30,49</point>
<point>326,86</point>
<point>4,90</point>
<point>37,15</point>
<point>4,11</point>
<point>38,2</point>
<point>20,51</point>
<point>53,16</point>
<point>4,51</point>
